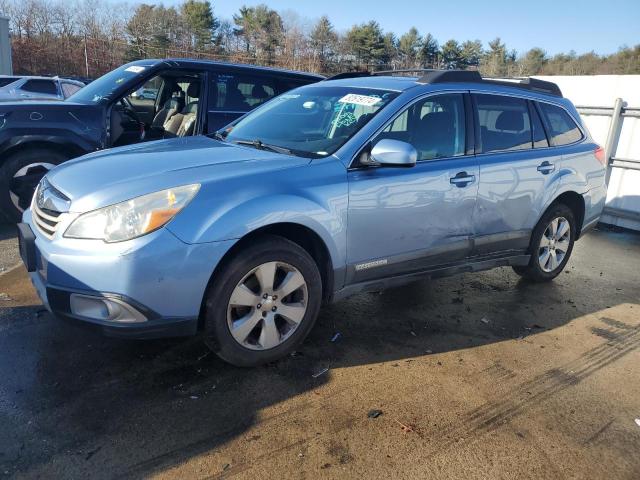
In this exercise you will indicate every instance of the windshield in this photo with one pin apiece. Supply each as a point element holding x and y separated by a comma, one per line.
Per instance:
<point>310,121</point>
<point>104,86</point>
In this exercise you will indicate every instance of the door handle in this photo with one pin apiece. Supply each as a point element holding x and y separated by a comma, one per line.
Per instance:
<point>462,179</point>
<point>546,168</point>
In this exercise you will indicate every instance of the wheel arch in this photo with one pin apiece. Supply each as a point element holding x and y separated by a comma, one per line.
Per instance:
<point>297,233</point>
<point>22,144</point>
<point>575,202</point>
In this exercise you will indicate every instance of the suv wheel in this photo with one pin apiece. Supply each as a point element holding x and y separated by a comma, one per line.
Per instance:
<point>551,244</point>
<point>262,303</point>
<point>19,176</point>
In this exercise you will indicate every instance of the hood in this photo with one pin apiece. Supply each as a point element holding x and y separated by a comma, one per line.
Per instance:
<point>111,176</point>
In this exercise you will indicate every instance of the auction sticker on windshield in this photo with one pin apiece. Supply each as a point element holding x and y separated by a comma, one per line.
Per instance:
<point>366,100</point>
<point>134,69</point>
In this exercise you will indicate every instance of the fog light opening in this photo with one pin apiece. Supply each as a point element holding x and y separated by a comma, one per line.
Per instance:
<point>104,309</point>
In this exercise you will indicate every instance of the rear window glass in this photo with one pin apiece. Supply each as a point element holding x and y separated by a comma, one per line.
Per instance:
<point>40,86</point>
<point>241,93</point>
<point>562,128</point>
<point>504,123</point>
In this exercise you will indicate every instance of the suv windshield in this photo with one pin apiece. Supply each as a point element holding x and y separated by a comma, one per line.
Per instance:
<point>310,121</point>
<point>104,86</point>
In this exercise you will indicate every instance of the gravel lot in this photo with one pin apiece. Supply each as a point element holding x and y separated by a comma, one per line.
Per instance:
<point>9,256</point>
<point>476,376</point>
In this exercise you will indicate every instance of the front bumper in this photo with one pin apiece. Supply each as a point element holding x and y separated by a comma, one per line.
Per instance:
<point>157,279</point>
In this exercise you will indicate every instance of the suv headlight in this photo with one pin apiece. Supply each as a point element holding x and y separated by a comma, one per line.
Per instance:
<point>132,218</point>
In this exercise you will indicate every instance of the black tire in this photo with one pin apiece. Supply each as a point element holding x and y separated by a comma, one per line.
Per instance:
<point>269,248</point>
<point>533,271</point>
<point>13,164</point>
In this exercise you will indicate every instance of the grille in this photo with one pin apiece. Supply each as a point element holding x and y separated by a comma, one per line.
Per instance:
<point>45,220</point>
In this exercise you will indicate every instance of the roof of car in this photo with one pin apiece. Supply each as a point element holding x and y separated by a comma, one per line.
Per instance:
<point>190,62</point>
<point>436,78</point>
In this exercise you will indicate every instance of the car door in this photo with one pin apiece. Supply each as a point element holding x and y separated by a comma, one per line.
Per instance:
<point>404,220</point>
<point>515,177</point>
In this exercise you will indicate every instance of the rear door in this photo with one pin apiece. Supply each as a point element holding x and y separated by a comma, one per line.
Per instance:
<point>517,170</point>
<point>234,92</point>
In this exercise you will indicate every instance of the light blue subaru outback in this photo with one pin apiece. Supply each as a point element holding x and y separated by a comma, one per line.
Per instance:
<point>347,185</point>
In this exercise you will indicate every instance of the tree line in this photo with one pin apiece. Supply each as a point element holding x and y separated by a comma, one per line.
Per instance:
<point>91,37</point>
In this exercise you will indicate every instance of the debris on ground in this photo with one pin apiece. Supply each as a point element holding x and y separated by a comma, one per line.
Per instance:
<point>638,421</point>
<point>413,333</point>
<point>336,337</point>
<point>296,354</point>
<point>226,466</point>
<point>321,372</point>
<point>4,297</point>
<point>429,352</point>
<point>193,397</point>
<point>405,428</point>
<point>204,356</point>
<point>374,413</point>
<point>485,320</point>
<point>92,453</point>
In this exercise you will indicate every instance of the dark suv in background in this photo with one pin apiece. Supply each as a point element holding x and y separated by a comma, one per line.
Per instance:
<point>182,98</point>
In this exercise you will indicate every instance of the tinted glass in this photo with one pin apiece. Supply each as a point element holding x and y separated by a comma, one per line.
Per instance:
<point>240,92</point>
<point>7,80</point>
<point>504,123</point>
<point>69,89</point>
<point>434,126</point>
<point>311,121</point>
<point>562,129</point>
<point>539,137</point>
<point>40,86</point>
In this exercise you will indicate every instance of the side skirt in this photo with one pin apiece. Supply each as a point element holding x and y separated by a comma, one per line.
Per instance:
<point>437,272</point>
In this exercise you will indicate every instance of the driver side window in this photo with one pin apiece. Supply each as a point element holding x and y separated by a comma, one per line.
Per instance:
<point>435,126</point>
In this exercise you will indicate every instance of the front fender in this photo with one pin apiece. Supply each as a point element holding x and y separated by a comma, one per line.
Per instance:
<point>315,197</point>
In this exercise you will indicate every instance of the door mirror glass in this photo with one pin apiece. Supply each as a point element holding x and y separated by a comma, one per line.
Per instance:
<point>393,153</point>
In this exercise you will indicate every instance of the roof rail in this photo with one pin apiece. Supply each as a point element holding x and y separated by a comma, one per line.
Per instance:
<point>431,76</point>
<point>447,76</point>
<point>528,83</point>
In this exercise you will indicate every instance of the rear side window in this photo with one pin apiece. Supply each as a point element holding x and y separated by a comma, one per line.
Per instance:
<point>539,136</point>
<point>40,86</point>
<point>504,123</point>
<point>240,92</point>
<point>69,89</point>
<point>562,128</point>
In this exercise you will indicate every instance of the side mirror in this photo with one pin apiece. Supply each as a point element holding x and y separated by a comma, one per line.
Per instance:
<point>393,153</point>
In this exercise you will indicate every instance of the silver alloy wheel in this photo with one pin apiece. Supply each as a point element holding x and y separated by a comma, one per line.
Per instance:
<point>15,199</point>
<point>267,306</point>
<point>554,244</point>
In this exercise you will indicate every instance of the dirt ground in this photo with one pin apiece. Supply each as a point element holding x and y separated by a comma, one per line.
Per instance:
<point>476,376</point>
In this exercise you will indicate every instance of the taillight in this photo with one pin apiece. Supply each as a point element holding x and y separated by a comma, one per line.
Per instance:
<point>599,153</point>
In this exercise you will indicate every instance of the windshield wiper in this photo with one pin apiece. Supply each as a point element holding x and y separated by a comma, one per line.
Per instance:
<point>218,136</point>
<point>259,144</point>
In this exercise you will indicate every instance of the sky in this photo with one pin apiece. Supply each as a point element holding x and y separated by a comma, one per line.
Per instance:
<point>554,25</point>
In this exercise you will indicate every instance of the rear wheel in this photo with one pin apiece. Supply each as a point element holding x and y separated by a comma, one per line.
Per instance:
<point>551,245</point>
<point>19,176</point>
<point>263,302</point>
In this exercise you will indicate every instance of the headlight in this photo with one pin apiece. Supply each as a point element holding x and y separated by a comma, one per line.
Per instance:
<point>132,218</point>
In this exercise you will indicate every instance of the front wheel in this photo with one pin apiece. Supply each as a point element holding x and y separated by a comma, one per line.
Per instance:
<point>551,245</point>
<point>263,302</point>
<point>20,173</point>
